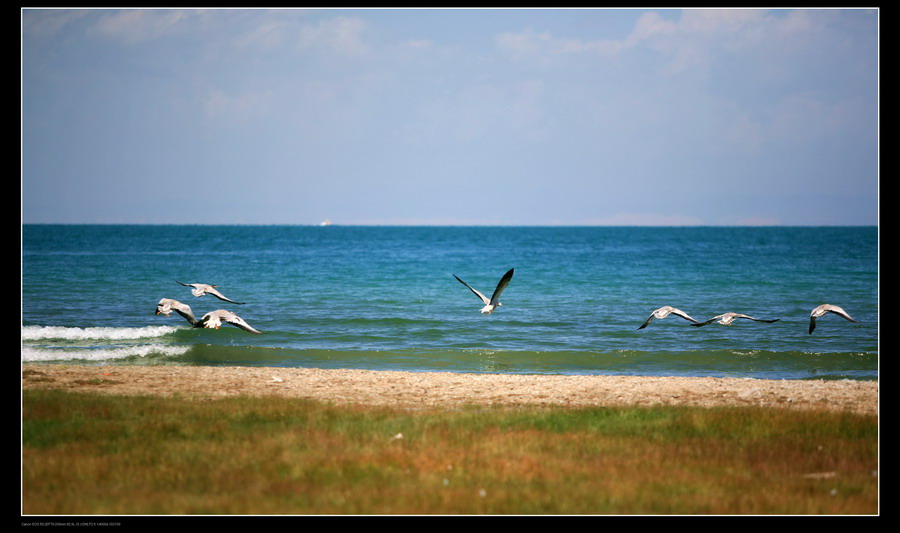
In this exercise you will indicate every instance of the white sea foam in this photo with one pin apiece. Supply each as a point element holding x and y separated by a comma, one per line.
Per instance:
<point>32,354</point>
<point>37,333</point>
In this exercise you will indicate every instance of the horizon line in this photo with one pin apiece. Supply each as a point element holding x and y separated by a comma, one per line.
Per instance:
<point>425,225</point>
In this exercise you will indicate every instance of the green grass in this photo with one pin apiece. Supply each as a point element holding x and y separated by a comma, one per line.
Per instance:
<point>99,454</point>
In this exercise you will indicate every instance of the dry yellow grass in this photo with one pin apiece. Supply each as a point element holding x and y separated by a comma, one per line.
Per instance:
<point>101,454</point>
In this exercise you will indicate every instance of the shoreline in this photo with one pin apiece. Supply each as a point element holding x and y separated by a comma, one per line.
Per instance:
<point>403,389</point>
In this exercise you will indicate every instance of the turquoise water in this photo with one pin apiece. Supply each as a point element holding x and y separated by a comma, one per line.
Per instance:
<point>385,298</point>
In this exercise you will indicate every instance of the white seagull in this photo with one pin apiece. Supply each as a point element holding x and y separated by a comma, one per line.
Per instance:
<point>665,311</point>
<point>493,302</point>
<point>820,311</point>
<point>214,319</point>
<point>199,289</point>
<point>726,319</point>
<point>167,305</point>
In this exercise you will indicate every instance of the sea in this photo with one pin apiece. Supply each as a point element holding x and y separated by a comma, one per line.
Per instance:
<point>385,298</point>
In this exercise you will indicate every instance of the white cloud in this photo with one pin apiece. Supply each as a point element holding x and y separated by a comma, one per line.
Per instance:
<point>696,39</point>
<point>134,26</point>
<point>340,34</point>
<point>649,26</point>
<point>48,22</point>
<point>647,107</point>
<point>720,21</point>
<point>267,35</point>
<point>531,44</point>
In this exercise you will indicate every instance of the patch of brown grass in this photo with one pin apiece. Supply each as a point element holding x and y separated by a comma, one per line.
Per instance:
<point>109,455</point>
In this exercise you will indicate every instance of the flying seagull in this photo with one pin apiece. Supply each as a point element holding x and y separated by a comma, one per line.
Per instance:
<point>665,311</point>
<point>199,289</point>
<point>727,318</point>
<point>493,302</point>
<point>214,319</point>
<point>820,311</point>
<point>167,305</point>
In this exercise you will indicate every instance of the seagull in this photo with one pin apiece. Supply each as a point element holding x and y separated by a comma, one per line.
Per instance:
<point>214,319</point>
<point>820,311</point>
<point>727,318</point>
<point>199,289</point>
<point>167,305</point>
<point>665,311</point>
<point>494,302</point>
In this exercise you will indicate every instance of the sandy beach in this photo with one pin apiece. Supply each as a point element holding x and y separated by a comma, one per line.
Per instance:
<point>444,389</point>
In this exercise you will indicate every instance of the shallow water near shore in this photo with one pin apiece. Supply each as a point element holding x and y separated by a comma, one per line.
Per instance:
<point>384,298</point>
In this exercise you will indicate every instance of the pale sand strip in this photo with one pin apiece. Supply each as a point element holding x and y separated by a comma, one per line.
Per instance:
<point>444,389</point>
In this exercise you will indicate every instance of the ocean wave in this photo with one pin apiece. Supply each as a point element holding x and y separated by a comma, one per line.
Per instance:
<point>40,333</point>
<point>32,355</point>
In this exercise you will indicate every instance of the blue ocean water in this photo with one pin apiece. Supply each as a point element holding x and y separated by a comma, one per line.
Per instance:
<point>385,298</point>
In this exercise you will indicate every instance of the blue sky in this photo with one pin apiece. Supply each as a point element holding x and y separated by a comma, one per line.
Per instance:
<point>465,116</point>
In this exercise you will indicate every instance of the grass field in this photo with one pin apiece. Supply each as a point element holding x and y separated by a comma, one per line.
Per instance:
<point>99,454</point>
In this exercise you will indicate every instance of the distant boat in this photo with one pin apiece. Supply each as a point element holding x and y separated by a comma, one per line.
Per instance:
<point>326,222</point>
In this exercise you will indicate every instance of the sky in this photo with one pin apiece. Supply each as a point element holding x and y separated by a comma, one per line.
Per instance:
<point>450,116</point>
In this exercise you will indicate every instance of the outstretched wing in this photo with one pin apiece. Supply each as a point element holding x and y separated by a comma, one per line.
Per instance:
<point>757,319</point>
<point>219,295</point>
<point>840,312</point>
<point>204,320</point>
<point>504,281</point>
<point>478,294</point>
<point>235,320</point>
<point>827,308</point>
<point>649,319</point>
<point>684,315</point>
<point>185,311</point>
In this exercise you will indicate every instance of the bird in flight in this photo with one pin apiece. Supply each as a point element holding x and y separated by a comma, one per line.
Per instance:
<point>494,301</point>
<point>214,319</point>
<point>199,289</point>
<point>167,305</point>
<point>726,319</point>
<point>665,311</point>
<point>824,309</point>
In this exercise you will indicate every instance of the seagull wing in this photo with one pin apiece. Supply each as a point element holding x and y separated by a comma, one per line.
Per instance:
<point>235,320</point>
<point>748,317</point>
<point>504,281</point>
<point>160,306</point>
<point>738,315</point>
<point>478,294</point>
<point>710,321</point>
<point>185,311</point>
<point>203,320</point>
<point>219,295</point>
<point>827,308</point>
<point>685,316</point>
<point>649,319</point>
<point>840,312</point>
